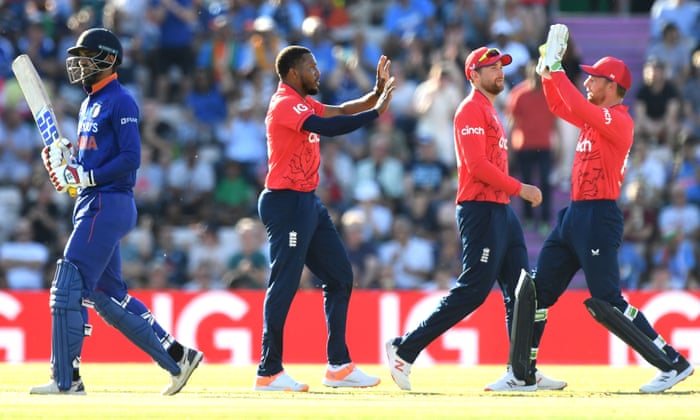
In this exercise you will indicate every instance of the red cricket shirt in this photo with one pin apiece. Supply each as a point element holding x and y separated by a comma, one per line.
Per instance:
<point>482,153</point>
<point>603,144</point>
<point>533,121</point>
<point>293,155</point>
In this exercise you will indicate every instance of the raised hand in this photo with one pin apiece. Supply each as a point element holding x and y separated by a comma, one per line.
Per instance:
<point>541,68</point>
<point>383,74</point>
<point>555,47</point>
<point>385,97</point>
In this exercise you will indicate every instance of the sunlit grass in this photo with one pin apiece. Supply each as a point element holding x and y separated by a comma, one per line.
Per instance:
<point>132,391</point>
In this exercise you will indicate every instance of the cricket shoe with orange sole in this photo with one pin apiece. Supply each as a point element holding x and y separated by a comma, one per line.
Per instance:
<point>279,382</point>
<point>348,376</point>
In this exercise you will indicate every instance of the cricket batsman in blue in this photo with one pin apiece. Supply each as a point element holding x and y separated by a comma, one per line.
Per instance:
<point>103,171</point>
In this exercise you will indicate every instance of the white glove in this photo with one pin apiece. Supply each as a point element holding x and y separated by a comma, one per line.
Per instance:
<point>555,47</point>
<point>57,153</point>
<point>71,175</point>
<point>540,68</point>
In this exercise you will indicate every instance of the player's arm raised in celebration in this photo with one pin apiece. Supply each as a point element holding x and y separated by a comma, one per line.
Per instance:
<point>336,122</point>
<point>371,99</point>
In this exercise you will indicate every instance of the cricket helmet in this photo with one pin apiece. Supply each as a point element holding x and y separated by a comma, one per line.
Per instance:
<point>100,47</point>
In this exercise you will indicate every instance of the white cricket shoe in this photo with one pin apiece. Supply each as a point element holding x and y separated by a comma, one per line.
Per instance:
<point>189,362</point>
<point>666,380</point>
<point>279,382</point>
<point>348,375</point>
<point>51,388</point>
<point>509,383</point>
<point>545,383</point>
<point>399,368</point>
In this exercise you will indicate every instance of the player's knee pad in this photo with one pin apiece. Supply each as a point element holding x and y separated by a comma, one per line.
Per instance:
<point>69,322</point>
<point>621,323</point>
<point>137,329</point>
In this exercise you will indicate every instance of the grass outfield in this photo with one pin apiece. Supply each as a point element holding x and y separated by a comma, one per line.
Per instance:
<point>122,391</point>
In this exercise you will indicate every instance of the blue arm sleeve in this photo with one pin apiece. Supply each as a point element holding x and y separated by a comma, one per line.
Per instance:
<point>340,124</point>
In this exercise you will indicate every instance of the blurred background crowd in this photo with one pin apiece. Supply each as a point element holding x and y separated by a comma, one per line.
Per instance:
<point>202,72</point>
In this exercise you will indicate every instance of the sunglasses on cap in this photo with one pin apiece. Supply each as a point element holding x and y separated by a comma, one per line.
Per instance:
<point>490,53</point>
<point>488,57</point>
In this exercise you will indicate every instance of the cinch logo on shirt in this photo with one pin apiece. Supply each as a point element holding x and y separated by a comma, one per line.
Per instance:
<point>607,115</point>
<point>466,131</point>
<point>584,146</point>
<point>503,143</point>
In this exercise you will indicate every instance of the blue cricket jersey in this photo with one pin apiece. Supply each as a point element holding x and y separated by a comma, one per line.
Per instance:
<point>108,137</point>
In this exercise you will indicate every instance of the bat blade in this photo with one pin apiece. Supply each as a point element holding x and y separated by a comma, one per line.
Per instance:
<point>38,100</point>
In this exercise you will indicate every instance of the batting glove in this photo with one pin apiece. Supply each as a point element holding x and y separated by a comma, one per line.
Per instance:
<point>71,175</point>
<point>555,47</point>
<point>57,153</point>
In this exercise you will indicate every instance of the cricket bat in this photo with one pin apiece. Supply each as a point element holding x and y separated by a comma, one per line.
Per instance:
<point>38,100</point>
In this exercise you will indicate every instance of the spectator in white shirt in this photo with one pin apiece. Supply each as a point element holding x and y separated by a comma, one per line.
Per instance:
<point>22,260</point>
<point>407,260</point>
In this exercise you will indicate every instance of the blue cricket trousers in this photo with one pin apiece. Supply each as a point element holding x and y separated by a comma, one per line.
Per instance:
<point>493,250</point>
<point>100,221</point>
<point>300,231</point>
<point>587,236</point>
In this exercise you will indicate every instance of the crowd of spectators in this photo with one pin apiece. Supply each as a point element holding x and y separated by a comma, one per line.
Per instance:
<point>202,72</point>
<point>660,195</point>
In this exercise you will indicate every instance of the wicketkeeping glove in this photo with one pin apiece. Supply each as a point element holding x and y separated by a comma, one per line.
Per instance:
<point>540,68</point>
<point>555,47</point>
<point>57,153</point>
<point>71,175</point>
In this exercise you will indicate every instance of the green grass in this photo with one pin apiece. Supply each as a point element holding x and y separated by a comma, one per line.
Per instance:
<point>132,391</point>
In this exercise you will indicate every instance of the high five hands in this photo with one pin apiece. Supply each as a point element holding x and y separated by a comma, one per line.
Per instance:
<point>384,85</point>
<point>552,51</point>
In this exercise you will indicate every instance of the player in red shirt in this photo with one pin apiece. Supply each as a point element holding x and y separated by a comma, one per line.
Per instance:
<point>299,228</point>
<point>588,233</point>
<point>492,239</point>
<point>531,126</point>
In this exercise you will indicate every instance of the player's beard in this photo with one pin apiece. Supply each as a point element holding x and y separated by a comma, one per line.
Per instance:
<point>89,81</point>
<point>493,88</point>
<point>91,78</point>
<point>593,98</point>
<point>311,88</point>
